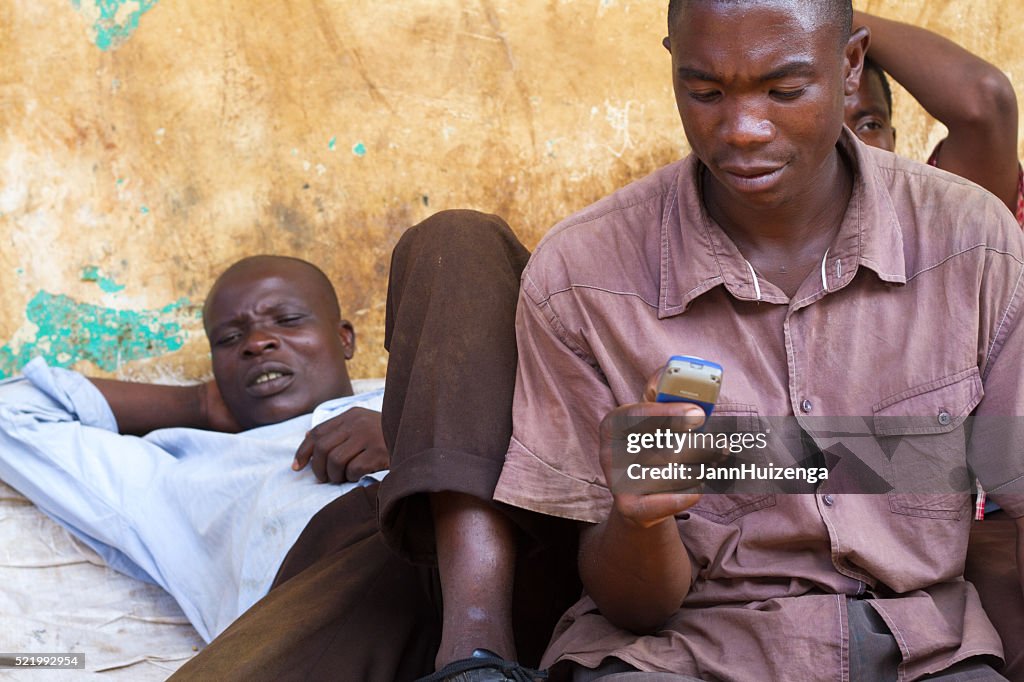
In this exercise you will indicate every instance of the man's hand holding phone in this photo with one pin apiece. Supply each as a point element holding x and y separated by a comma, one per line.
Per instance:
<point>634,564</point>
<point>682,393</point>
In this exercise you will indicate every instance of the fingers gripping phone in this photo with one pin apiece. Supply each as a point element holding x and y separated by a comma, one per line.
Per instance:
<point>687,379</point>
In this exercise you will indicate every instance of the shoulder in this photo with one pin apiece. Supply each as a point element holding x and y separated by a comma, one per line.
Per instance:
<point>607,240</point>
<point>943,214</point>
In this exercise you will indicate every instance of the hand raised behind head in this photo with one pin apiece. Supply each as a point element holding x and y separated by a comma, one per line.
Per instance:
<point>344,448</point>
<point>214,410</point>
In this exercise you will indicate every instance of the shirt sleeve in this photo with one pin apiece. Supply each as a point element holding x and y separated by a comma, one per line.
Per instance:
<point>996,455</point>
<point>52,394</point>
<point>552,464</point>
<point>59,447</point>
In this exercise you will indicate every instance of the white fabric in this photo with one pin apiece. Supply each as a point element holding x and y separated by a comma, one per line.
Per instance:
<point>208,516</point>
<point>56,596</point>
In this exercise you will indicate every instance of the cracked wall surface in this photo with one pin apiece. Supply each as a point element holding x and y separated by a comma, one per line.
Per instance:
<point>149,143</point>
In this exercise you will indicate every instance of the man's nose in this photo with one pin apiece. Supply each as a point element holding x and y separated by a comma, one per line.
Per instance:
<point>258,341</point>
<point>747,125</point>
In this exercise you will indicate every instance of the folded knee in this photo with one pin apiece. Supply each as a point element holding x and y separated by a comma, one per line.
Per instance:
<point>460,233</point>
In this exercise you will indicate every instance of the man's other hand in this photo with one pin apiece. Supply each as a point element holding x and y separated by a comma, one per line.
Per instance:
<point>344,448</point>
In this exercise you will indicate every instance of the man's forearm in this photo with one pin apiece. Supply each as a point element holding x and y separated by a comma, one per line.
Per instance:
<point>141,408</point>
<point>981,118</point>
<point>929,66</point>
<point>637,576</point>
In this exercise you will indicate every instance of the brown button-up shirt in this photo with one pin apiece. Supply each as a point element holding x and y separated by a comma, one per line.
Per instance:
<point>915,312</point>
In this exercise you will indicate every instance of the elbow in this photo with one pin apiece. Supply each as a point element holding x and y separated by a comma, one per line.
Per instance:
<point>642,611</point>
<point>992,102</point>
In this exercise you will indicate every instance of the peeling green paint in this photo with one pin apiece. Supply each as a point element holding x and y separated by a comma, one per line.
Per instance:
<point>114,21</point>
<point>91,273</point>
<point>70,331</point>
<point>359,149</point>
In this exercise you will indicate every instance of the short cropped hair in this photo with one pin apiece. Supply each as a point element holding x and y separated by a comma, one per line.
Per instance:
<point>323,281</point>
<point>871,66</point>
<point>836,12</point>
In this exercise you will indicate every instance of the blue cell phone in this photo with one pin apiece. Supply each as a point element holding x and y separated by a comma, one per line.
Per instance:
<point>687,379</point>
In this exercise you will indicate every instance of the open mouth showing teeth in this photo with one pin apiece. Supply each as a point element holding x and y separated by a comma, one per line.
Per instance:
<point>267,376</point>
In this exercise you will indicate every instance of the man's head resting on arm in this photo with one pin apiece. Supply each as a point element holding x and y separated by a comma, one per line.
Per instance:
<point>760,87</point>
<point>277,339</point>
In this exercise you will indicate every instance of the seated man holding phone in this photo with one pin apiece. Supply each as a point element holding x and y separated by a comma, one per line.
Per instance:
<point>829,280</point>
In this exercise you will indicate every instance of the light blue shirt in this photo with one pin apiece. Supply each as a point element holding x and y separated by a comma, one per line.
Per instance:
<point>208,516</point>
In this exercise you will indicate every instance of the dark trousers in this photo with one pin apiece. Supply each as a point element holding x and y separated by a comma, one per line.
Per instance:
<point>357,597</point>
<point>992,567</point>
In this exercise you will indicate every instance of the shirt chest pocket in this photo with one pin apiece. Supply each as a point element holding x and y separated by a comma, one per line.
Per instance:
<point>923,432</point>
<point>725,508</point>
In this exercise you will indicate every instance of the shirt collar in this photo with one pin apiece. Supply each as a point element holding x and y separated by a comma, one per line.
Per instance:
<point>697,255</point>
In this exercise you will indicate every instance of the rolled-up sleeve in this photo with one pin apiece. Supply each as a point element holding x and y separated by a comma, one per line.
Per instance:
<point>552,464</point>
<point>53,425</point>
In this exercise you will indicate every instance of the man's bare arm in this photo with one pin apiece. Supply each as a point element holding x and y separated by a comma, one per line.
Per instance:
<point>634,564</point>
<point>140,408</point>
<point>974,99</point>
<point>637,576</point>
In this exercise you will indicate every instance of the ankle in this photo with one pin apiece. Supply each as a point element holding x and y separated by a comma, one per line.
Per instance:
<point>463,647</point>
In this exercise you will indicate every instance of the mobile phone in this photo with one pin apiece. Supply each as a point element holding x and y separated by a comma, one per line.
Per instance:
<point>688,379</point>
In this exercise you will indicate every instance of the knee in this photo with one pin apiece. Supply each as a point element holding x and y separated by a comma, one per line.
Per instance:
<point>460,233</point>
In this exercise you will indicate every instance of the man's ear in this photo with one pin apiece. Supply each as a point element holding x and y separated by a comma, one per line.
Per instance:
<point>856,49</point>
<point>667,44</point>
<point>348,338</point>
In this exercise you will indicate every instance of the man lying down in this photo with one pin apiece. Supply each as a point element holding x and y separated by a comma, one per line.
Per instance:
<point>209,501</point>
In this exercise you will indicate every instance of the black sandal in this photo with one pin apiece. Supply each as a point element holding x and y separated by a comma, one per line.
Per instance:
<point>485,666</point>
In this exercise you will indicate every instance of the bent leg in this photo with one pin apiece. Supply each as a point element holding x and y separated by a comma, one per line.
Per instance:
<point>447,417</point>
<point>450,332</point>
<point>448,421</point>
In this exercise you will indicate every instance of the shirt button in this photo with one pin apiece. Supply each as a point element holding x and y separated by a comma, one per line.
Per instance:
<point>944,418</point>
<point>828,500</point>
<point>806,405</point>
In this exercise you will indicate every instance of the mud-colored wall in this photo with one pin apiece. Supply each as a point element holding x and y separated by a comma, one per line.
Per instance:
<point>149,143</point>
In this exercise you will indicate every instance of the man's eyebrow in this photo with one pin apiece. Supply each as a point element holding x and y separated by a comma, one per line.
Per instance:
<point>221,325</point>
<point>794,68</point>
<point>687,73</point>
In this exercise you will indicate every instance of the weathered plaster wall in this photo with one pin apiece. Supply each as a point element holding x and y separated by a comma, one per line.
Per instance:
<point>149,143</point>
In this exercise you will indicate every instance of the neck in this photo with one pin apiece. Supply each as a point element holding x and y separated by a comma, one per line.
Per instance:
<point>791,222</point>
<point>786,241</point>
